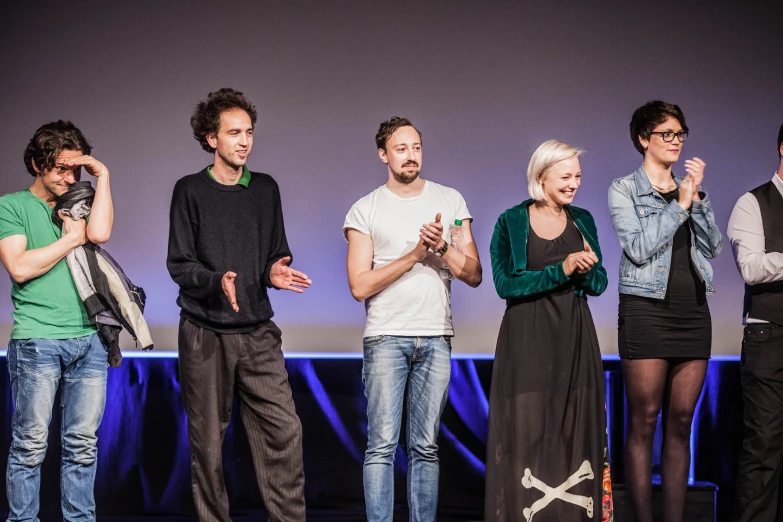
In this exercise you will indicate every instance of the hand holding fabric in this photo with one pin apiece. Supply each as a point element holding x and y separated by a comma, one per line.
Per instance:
<point>75,229</point>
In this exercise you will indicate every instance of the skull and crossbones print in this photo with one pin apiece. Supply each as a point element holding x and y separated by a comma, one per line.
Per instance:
<point>585,472</point>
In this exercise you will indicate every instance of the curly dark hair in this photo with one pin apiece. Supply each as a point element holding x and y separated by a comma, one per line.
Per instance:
<point>649,116</point>
<point>206,117</point>
<point>51,139</point>
<point>387,128</point>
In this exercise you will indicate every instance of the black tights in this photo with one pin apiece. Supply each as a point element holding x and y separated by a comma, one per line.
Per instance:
<point>676,385</point>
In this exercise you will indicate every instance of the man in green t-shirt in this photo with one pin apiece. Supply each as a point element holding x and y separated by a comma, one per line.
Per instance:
<point>53,342</point>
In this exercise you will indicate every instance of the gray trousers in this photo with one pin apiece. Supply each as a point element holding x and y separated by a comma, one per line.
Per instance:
<point>211,366</point>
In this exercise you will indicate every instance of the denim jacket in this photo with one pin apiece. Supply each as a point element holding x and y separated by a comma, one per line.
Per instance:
<point>645,225</point>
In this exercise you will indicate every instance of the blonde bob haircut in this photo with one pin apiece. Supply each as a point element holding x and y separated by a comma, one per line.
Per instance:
<point>546,155</point>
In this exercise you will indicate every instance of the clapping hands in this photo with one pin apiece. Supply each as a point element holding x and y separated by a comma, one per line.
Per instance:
<point>580,262</point>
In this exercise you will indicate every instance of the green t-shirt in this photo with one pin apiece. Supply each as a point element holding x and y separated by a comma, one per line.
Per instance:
<point>49,306</point>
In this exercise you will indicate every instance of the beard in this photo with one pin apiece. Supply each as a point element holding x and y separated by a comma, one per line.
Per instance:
<point>406,177</point>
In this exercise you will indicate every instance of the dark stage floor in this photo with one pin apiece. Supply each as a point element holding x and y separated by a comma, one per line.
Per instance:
<point>312,516</point>
<point>144,465</point>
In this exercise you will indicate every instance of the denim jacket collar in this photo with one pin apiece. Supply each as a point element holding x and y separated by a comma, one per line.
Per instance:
<point>643,185</point>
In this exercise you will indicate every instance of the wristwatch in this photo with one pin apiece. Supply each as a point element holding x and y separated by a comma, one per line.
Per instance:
<point>442,250</point>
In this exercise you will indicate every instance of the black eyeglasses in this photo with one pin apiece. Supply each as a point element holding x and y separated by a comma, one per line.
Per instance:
<point>668,136</point>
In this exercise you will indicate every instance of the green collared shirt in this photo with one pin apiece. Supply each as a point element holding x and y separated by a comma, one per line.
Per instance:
<point>244,180</point>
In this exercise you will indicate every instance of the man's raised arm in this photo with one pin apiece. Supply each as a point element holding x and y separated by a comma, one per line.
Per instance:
<point>102,211</point>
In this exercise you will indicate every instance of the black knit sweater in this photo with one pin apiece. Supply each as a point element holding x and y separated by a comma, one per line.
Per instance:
<point>214,229</point>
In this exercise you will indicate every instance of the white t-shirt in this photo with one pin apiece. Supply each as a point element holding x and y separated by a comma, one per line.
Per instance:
<point>417,304</point>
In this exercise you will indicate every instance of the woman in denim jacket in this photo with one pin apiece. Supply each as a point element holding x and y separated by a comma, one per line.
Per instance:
<point>667,230</point>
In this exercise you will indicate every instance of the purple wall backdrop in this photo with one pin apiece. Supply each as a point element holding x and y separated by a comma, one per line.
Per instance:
<point>485,84</point>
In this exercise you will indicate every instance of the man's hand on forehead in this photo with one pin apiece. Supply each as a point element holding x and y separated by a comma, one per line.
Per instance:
<point>90,164</point>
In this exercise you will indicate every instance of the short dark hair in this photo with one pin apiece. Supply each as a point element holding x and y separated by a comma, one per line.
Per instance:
<point>206,117</point>
<point>649,116</point>
<point>51,139</point>
<point>387,128</point>
<point>780,140</point>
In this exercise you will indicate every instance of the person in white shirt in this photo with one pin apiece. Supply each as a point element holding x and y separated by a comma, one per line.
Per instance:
<point>401,265</point>
<point>756,234</point>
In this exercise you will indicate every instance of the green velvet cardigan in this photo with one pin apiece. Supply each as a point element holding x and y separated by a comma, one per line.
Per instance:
<point>508,251</point>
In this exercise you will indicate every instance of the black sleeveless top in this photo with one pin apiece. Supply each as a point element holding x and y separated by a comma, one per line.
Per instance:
<point>684,280</point>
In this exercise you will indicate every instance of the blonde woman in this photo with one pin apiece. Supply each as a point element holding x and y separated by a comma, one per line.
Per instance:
<point>546,451</point>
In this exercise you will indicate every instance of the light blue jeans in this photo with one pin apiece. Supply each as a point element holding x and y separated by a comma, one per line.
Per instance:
<point>392,364</point>
<point>37,367</point>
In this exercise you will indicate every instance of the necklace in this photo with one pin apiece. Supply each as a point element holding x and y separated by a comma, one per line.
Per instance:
<point>664,189</point>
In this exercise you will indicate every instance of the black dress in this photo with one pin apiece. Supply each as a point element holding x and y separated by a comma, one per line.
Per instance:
<point>547,417</point>
<point>677,326</point>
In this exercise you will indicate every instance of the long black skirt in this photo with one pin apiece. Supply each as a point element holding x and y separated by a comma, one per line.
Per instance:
<point>547,444</point>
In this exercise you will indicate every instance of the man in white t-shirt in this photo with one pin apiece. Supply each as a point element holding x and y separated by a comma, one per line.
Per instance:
<point>401,265</point>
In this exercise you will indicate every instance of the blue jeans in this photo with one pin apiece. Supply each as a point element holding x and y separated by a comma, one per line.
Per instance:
<point>392,364</point>
<point>37,367</point>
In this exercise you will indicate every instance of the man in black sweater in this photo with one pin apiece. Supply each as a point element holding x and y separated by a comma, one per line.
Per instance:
<point>227,245</point>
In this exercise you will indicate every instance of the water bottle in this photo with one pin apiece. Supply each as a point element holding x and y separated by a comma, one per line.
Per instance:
<point>457,242</point>
<point>457,237</point>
